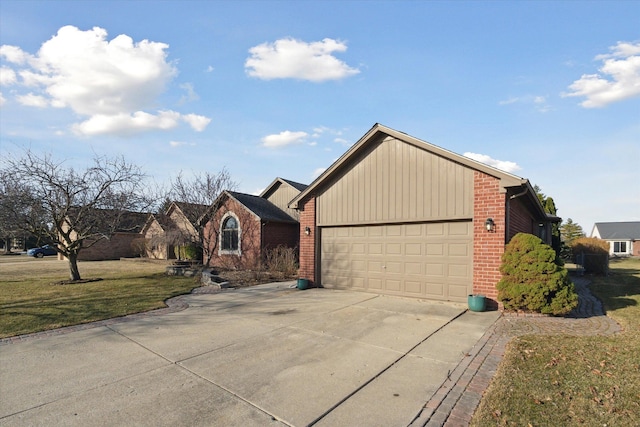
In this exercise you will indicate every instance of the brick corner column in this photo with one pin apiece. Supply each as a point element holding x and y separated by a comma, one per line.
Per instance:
<point>488,246</point>
<point>307,268</point>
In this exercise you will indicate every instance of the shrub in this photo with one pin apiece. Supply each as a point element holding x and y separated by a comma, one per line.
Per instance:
<point>281,259</point>
<point>188,252</point>
<point>532,280</point>
<point>593,253</point>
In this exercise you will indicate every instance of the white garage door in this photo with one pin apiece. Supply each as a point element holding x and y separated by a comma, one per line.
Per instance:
<point>429,260</point>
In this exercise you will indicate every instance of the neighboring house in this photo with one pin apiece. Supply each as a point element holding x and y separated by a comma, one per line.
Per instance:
<point>248,225</point>
<point>177,226</point>
<point>623,237</point>
<point>397,215</point>
<point>119,245</point>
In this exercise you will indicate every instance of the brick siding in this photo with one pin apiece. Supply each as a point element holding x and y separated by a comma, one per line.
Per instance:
<point>488,247</point>
<point>255,237</point>
<point>308,243</point>
<point>276,234</point>
<point>118,246</point>
<point>249,237</point>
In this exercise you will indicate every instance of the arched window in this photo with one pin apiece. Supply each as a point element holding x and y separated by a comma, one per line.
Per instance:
<point>230,233</point>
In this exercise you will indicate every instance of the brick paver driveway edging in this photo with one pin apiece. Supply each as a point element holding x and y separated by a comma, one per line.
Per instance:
<point>455,402</point>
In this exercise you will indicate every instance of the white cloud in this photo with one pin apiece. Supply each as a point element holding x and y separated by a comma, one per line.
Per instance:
<point>7,76</point>
<point>539,102</point>
<point>197,123</point>
<point>175,144</point>
<point>296,59</point>
<point>110,82</point>
<point>13,54</point>
<point>190,94</point>
<point>2,100</point>
<point>283,139</point>
<point>31,100</point>
<point>511,100</point>
<point>127,124</point>
<point>618,78</point>
<point>318,172</point>
<point>504,165</point>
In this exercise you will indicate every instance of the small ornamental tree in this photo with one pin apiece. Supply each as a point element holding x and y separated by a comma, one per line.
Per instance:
<point>531,279</point>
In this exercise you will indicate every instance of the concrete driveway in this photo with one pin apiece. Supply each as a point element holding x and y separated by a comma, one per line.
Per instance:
<point>265,355</point>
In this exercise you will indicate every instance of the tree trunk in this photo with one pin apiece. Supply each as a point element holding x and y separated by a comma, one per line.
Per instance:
<point>74,273</point>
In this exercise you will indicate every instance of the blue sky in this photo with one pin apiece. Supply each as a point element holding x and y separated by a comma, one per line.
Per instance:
<point>550,90</point>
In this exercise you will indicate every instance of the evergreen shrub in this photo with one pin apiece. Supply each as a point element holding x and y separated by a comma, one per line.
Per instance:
<point>532,280</point>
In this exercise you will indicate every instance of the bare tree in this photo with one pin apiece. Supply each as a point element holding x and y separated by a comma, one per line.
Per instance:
<point>198,198</point>
<point>67,208</point>
<point>8,229</point>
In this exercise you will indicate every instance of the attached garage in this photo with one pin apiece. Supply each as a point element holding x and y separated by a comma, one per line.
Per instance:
<point>396,215</point>
<point>428,260</point>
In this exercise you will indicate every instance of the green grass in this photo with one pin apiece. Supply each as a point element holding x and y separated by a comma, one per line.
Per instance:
<point>31,301</point>
<point>564,380</point>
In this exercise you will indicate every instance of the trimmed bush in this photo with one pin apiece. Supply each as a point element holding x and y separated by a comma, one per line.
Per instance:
<point>188,252</point>
<point>593,253</point>
<point>532,280</point>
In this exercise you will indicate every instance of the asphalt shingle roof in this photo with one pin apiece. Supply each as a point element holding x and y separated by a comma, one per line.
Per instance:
<point>263,208</point>
<point>298,186</point>
<point>619,230</point>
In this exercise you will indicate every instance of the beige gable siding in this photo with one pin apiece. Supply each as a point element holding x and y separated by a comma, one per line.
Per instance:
<point>281,196</point>
<point>397,182</point>
<point>183,223</point>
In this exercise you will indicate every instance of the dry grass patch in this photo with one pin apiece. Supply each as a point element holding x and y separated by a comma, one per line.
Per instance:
<point>565,380</point>
<point>32,298</point>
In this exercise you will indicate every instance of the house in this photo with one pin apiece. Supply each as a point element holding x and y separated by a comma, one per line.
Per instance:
<point>623,237</point>
<point>397,215</point>
<point>247,225</point>
<point>177,226</point>
<point>121,241</point>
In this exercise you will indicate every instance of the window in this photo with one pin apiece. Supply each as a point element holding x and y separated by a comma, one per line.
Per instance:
<point>230,234</point>
<point>619,247</point>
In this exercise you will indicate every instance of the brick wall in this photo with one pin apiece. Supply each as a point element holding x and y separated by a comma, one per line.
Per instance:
<point>118,246</point>
<point>488,247</point>
<point>250,228</point>
<point>280,234</point>
<point>308,243</point>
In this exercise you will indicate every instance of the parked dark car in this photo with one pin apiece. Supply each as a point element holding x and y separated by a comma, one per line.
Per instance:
<point>42,251</point>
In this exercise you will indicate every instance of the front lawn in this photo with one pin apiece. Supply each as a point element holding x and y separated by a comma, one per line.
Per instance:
<point>565,380</point>
<point>32,300</point>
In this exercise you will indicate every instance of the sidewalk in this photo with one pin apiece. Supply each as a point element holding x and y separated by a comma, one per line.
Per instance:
<point>455,402</point>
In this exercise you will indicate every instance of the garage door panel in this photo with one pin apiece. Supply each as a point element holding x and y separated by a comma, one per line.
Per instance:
<point>435,249</point>
<point>414,268</point>
<point>430,260</point>
<point>435,289</point>
<point>458,249</point>
<point>413,249</point>
<point>413,287</point>
<point>375,248</point>
<point>375,284</point>
<point>457,270</point>
<point>393,248</point>
<point>414,230</point>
